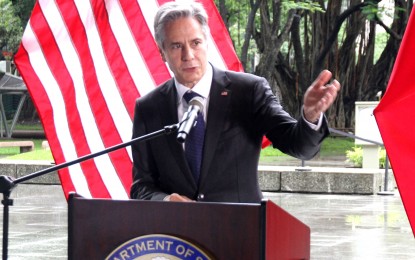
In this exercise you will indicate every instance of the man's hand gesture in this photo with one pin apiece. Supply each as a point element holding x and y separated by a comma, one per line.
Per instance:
<point>319,96</point>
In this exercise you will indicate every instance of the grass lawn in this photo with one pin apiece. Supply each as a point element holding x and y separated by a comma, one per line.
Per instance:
<point>41,154</point>
<point>336,146</point>
<point>13,153</point>
<point>331,146</point>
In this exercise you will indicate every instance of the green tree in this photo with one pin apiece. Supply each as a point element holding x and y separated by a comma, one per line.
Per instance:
<point>10,29</point>
<point>294,40</point>
<point>23,9</point>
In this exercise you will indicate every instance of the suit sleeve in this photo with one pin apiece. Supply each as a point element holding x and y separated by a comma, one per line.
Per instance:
<point>145,175</point>
<point>291,136</point>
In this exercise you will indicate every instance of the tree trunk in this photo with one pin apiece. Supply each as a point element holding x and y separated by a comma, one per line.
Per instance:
<point>341,39</point>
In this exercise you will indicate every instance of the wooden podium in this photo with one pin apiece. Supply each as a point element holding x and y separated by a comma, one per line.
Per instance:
<point>222,230</point>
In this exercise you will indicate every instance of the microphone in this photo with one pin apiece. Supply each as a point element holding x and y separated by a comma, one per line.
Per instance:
<point>189,118</point>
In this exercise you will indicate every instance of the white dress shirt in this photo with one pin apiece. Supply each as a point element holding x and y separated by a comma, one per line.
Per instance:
<point>202,88</point>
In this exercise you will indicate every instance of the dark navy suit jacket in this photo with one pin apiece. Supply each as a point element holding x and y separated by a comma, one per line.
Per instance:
<point>242,109</point>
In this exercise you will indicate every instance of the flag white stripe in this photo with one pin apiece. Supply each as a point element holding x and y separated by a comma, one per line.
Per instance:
<point>214,55</point>
<point>106,80</point>
<point>73,64</point>
<point>74,67</point>
<point>149,9</point>
<point>129,48</point>
<point>41,68</point>
<point>112,98</point>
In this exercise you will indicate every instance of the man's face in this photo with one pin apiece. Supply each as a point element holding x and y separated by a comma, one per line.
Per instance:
<point>185,50</point>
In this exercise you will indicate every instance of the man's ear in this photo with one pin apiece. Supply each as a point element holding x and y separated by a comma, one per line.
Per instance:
<point>162,55</point>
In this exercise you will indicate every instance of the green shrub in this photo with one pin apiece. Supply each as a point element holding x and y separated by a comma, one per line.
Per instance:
<point>355,156</point>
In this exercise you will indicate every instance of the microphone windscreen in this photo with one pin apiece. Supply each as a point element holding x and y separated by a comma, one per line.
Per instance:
<point>197,101</point>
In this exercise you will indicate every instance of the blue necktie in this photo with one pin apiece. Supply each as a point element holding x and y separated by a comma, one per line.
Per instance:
<point>194,141</point>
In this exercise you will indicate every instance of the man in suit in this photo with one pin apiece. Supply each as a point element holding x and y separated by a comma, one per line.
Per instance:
<point>239,109</point>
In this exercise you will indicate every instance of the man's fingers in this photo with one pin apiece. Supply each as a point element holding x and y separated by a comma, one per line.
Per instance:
<point>322,79</point>
<point>336,84</point>
<point>320,95</point>
<point>178,198</point>
<point>333,88</point>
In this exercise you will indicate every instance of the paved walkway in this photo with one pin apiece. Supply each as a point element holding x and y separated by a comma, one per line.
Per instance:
<point>342,226</point>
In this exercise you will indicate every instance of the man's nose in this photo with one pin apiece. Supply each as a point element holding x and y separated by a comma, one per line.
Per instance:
<point>187,53</point>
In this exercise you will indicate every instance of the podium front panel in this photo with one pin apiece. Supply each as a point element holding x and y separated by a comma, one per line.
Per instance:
<point>227,231</point>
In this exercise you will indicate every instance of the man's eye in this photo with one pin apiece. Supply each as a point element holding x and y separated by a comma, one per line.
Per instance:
<point>176,46</point>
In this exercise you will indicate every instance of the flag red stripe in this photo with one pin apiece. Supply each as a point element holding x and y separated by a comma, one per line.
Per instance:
<point>44,107</point>
<point>104,122</point>
<point>161,2</point>
<point>125,83</point>
<point>146,43</point>
<point>113,53</point>
<point>45,111</point>
<point>97,186</point>
<point>53,56</point>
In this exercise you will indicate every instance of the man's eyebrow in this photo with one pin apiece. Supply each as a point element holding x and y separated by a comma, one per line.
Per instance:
<point>174,43</point>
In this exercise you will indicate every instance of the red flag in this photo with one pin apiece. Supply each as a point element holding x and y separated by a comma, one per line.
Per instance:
<point>84,64</point>
<point>395,117</point>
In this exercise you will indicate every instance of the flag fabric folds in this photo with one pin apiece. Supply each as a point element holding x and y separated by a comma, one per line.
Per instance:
<point>85,63</point>
<point>395,116</point>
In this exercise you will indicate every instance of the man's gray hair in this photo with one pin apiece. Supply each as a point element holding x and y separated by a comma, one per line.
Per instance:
<point>172,11</point>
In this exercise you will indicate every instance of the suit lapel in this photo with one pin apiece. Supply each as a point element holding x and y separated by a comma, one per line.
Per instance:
<point>168,115</point>
<point>220,97</point>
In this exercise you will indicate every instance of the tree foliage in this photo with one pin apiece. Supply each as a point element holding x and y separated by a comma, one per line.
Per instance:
<point>292,41</point>
<point>14,15</point>
<point>10,29</point>
<point>23,9</point>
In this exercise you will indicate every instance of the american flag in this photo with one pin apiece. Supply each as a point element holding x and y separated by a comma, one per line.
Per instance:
<point>85,63</point>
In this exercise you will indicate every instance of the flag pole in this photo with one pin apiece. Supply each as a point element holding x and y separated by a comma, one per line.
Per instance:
<point>7,183</point>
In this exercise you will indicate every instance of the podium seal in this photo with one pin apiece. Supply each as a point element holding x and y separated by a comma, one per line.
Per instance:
<point>158,247</point>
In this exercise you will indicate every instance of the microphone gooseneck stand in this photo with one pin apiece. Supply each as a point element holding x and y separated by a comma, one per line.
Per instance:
<point>7,183</point>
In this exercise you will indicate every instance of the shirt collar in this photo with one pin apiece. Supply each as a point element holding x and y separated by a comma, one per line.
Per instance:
<point>202,87</point>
